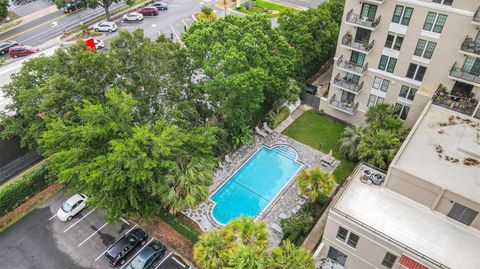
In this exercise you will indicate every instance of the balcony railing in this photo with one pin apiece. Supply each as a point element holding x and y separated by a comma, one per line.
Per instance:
<point>362,20</point>
<point>351,66</point>
<point>348,107</point>
<point>465,75</point>
<point>359,45</point>
<point>376,1</point>
<point>476,16</point>
<point>459,103</point>
<point>469,45</point>
<point>347,84</point>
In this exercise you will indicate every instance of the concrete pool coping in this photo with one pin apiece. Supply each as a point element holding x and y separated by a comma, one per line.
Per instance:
<point>281,191</point>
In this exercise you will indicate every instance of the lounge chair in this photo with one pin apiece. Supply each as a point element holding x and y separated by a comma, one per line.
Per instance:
<point>220,165</point>
<point>276,228</point>
<point>260,132</point>
<point>267,128</point>
<point>227,159</point>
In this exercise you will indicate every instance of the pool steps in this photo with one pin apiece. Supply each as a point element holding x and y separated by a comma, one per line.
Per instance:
<point>286,151</point>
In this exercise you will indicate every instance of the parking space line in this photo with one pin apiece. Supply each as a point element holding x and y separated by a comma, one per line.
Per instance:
<point>93,234</point>
<point>133,256</point>
<point>52,217</point>
<point>176,35</point>
<point>79,220</point>
<point>179,262</point>
<point>164,259</point>
<point>126,222</point>
<point>99,256</point>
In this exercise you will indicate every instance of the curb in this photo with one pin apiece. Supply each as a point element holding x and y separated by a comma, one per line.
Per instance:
<point>31,17</point>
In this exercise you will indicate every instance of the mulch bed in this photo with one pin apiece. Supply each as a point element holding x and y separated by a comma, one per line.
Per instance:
<point>31,203</point>
<point>163,232</point>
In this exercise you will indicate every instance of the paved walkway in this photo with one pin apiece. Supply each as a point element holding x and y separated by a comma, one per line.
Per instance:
<point>293,116</point>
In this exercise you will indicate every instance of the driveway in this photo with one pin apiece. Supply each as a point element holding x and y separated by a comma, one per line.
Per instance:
<point>40,240</point>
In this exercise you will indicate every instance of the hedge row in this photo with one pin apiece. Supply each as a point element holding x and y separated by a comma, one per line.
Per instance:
<point>18,192</point>
<point>180,226</point>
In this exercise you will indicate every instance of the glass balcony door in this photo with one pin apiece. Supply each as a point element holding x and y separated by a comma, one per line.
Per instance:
<point>368,11</point>
<point>472,65</point>
<point>357,58</point>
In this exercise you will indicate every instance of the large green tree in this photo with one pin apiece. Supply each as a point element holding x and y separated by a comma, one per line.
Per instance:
<point>315,183</point>
<point>246,63</point>
<point>98,149</point>
<point>289,256</point>
<point>378,147</point>
<point>351,137</point>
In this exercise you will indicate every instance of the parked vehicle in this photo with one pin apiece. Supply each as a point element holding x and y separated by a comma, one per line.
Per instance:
<point>119,251</point>
<point>5,46</point>
<point>148,256</point>
<point>148,11</point>
<point>72,6</point>
<point>161,5</point>
<point>106,26</point>
<point>72,207</point>
<point>98,44</point>
<point>21,50</point>
<point>133,16</point>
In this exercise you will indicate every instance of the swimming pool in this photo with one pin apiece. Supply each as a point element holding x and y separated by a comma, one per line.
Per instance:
<point>256,184</point>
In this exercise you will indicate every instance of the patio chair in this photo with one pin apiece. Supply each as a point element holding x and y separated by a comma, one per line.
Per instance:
<point>276,229</point>
<point>227,159</point>
<point>267,128</point>
<point>220,165</point>
<point>260,132</point>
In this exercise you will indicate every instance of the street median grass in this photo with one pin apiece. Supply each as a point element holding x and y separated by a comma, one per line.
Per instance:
<point>265,7</point>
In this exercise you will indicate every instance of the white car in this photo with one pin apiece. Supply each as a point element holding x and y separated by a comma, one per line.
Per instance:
<point>98,44</point>
<point>106,26</point>
<point>71,207</point>
<point>133,16</point>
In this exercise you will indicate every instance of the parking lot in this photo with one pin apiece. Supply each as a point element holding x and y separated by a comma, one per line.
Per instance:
<point>40,240</point>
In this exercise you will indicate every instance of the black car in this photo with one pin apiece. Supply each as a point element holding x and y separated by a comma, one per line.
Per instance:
<point>148,256</point>
<point>160,5</point>
<point>5,46</point>
<point>72,6</point>
<point>118,252</point>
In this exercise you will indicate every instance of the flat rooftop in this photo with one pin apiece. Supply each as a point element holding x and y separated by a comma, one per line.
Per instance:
<point>444,149</point>
<point>428,232</point>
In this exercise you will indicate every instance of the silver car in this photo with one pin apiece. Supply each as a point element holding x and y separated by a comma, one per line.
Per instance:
<point>106,26</point>
<point>72,207</point>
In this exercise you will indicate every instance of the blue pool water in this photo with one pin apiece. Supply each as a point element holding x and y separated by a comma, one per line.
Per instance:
<point>256,183</point>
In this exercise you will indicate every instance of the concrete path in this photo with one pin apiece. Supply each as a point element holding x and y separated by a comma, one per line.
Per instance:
<point>295,114</point>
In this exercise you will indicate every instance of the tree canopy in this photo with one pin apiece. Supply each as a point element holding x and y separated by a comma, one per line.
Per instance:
<point>315,183</point>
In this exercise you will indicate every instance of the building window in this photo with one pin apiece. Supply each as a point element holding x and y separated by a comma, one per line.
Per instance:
<point>443,2</point>
<point>347,237</point>
<point>381,84</point>
<point>402,111</point>
<point>407,92</point>
<point>402,15</point>
<point>389,260</point>
<point>337,256</point>
<point>394,41</point>
<point>434,22</point>
<point>357,58</point>
<point>373,100</point>
<point>425,48</point>
<point>368,11</point>
<point>462,214</point>
<point>387,63</point>
<point>416,72</point>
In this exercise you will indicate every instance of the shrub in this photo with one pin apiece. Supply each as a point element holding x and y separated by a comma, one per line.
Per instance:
<point>206,15</point>
<point>18,192</point>
<point>298,226</point>
<point>275,118</point>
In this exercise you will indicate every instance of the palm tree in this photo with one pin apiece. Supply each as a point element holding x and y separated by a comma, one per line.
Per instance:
<point>249,232</point>
<point>248,257</point>
<point>379,147</point>
<point>288,256</point>
<point>314,183</point>
<point>187,184</point>
<point>351,137</point>
<point>383,116</point>
<point>212,250</point>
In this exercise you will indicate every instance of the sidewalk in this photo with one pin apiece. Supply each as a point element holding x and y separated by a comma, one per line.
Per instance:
<point>291,118</point>
<point>27,19</point>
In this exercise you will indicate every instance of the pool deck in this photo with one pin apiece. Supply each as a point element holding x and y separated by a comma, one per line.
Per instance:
<point>288,201</point>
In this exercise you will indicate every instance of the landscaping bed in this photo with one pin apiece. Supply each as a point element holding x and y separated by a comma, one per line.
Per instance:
<point>263,7</point>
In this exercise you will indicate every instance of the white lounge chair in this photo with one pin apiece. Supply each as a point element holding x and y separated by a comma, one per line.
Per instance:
<point>227,159</point>
<point>276,228</point>
<point>267,128</point>
<point>260,132</point>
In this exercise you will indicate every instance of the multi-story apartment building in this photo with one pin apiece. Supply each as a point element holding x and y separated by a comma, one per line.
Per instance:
<point>403,52</point>
<point>426,212</point>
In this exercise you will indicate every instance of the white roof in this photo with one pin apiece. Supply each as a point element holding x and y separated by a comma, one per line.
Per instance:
<point>458,139</point>
<point>428,232</point>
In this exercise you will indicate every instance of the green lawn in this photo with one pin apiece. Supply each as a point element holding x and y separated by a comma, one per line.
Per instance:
<point>263,7</point>
<point>321,132</point>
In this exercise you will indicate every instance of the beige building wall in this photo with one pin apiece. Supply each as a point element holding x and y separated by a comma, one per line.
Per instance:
<point>447,52</point>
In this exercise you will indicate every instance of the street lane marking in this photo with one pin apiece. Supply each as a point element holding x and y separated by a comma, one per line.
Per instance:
<point>79,220</point>
<point>39,25</point>
<point>125,221</point>
<point>93,234</point>
<point>164,259</point>
<point>99,256</point>
<point>133,256</point>
<point>52,217</point>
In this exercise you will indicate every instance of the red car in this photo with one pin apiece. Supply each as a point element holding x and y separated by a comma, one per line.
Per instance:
<point>148,11</point>
<point>21,50</point>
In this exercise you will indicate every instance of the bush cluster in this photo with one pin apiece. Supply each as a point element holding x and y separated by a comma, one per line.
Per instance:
<point>275,118</point>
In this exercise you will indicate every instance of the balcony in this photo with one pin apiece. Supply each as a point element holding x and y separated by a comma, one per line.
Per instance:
<point>364,22</point>
<point>462,104</point>
<point>379,2</point>
<point>362,46</point>
<point>465,76</point>
<point>476,17</point>
<point>347,85</point>
<point>351,67</point>
<point>346,107</point>
<point>470,47</point>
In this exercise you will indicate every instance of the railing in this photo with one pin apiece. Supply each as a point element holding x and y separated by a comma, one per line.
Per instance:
<point>377,1</point>
<point>464,74</point>
<point>469,45</point>
<point>351,66</point>
<point>360,45</point>
<point>462,104</point>
<point>346,84</point>
<point>476,16</point>
<point>347,107</point>
<point>362,21</point>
